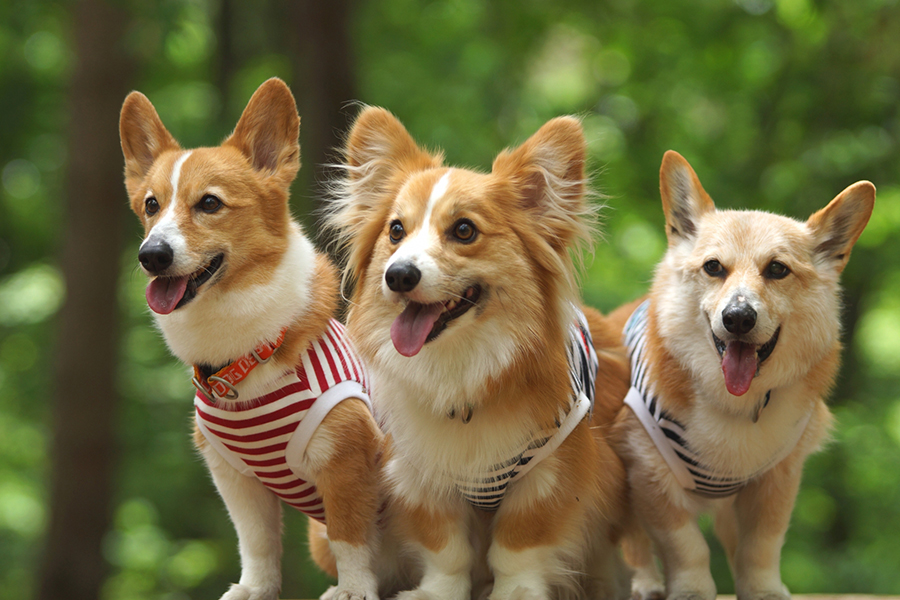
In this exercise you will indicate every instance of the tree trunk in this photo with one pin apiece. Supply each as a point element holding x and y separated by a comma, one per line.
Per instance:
<point>324,83</point>
<point>85,368</point>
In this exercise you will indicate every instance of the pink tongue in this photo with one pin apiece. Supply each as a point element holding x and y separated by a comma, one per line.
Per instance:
<point>164,293</point>
<point>739,366</point>
<point>410,330</point>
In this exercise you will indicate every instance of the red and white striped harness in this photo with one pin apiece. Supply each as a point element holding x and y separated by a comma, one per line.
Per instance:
<point>267,436</point>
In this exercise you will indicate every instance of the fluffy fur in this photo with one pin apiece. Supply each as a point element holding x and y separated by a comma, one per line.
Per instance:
<point>717,260</point>
<point>499,243</point>
<point>270,278</point>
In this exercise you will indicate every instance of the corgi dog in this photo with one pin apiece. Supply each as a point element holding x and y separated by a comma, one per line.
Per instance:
<point>732,354</point>
<point>465,308</point>
<point>241,295</point>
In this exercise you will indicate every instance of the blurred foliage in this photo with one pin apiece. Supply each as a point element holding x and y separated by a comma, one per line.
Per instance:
<point>778,104</point>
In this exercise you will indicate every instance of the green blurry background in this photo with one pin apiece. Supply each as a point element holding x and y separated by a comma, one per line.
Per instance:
<point>778,105</point>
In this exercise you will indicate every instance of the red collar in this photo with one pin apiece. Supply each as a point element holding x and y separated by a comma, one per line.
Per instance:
<point>221,384</point>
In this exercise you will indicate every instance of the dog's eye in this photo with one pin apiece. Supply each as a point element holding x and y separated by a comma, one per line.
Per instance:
<point>464,231</point>
<point>714,268</point>
<point>151,206</point>
<point>776,270</point>
<point>209,203</point>
<point>396,231</point>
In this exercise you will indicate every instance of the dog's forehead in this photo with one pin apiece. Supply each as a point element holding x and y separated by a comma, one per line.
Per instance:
<point>430,194</point>
<point>729,234</point>
<point>193,171</point>
<point>159,177</point>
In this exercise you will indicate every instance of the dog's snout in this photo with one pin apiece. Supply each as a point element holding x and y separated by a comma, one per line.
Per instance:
<point>156,256</point>
<point>402,277</point>
<point>739,317</point>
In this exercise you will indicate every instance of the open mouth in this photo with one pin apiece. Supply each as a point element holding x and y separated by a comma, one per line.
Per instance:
<point>741,361</point>
<point>419,324</point>
<point>166,294</point>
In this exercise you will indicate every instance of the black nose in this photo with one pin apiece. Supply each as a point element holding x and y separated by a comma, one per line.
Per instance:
<point>402,277</point>
<point>739,317</point>
<point>156,256</point>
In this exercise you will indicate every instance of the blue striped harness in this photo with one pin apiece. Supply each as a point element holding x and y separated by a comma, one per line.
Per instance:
<point>669,435</point>
<point>486,491</point>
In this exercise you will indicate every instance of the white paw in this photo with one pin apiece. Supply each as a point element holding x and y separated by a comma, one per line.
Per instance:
<point>243,592</point>
<point>339,592</point>
<point>647,588</point>
<point>782,594</point>
<point>329,593</point>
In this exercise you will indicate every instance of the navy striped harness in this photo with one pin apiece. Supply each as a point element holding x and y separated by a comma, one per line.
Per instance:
<point>486,491</point>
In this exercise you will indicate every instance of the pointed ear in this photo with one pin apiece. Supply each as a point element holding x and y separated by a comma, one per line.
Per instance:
<point>379,156</point>
<point>683,198</point>
<point>548,174</point>
<point>143,137</point>
<point>268,129</point>
<point>378,146</point>
<point>836,227</point>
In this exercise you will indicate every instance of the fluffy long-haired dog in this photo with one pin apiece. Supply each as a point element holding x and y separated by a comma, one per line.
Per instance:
<point>240,294</point>
<point>465,308</point>
<point>732,354</point>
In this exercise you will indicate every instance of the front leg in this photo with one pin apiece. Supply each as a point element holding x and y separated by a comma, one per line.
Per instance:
<point>762,512</point>
<point>437,528</point>
<point>647,583</point>
<point>342,459</point>
<point>441,536</point>
<point>256,514</point>
<point>535,527</point>
<point>668,514</point>
<point>685,557</point>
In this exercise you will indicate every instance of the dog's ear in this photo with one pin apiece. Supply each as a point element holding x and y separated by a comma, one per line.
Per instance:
<point>836,227</point>
<point>683,198</point>
<point>267,131</point>
<point>547,173</point>
<point>143,137</point>
<point>380,153</point>
<point>379,156</point>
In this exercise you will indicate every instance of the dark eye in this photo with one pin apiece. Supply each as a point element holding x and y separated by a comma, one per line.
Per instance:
<point>396,231</point>
<point>776,270</point>
<point>464,231</point>
<point>209,203</point>
<point>151,206</point>
<point>714,268</point>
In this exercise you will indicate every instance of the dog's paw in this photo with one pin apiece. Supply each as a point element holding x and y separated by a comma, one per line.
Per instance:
<point>329,593</point>
<point>647,588</point>
<point>243,592</point>
<point>782,594</point>
<point>346,593</point>
<point>656,594</point>
<point>691,596</point>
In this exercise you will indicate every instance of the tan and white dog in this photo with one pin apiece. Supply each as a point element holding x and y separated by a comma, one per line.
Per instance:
<point>465,308</point>
<point>240,293</point>
<point>732,354</point>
